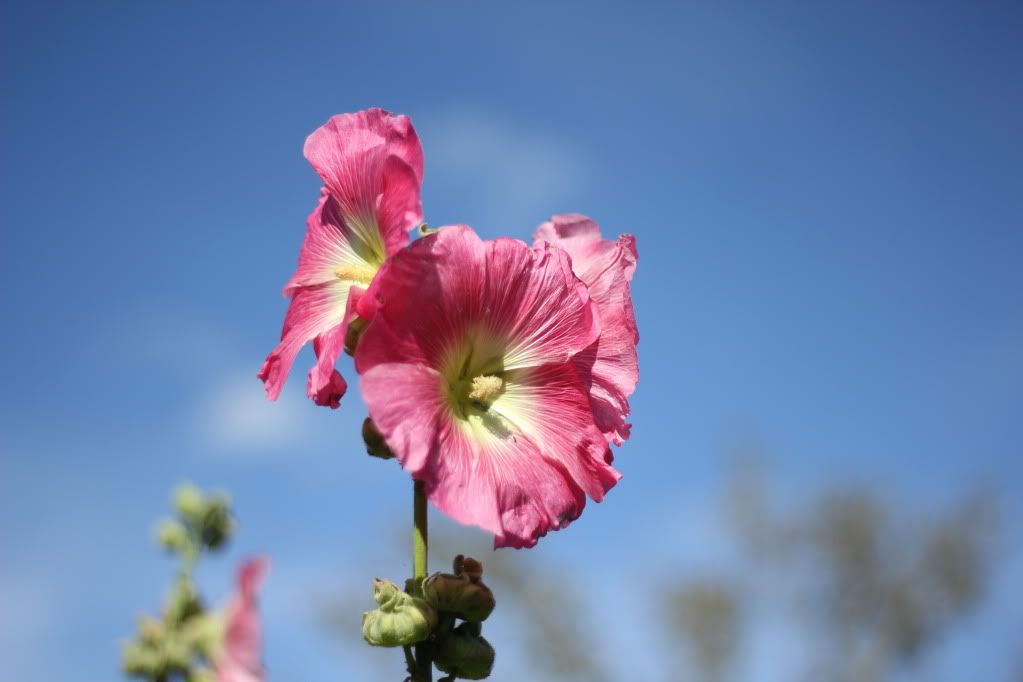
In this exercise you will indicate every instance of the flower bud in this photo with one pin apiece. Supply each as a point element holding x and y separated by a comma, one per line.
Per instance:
<point>141,660</point>
<point>182,604</point>
<point>354,332</point>
<point>215,524</point>
<point>150,629</point>
<point>375,443</point>
<point>177,655</point>
<point>469,567</point>
<point>458,594</point>
<point>204,633</point>
<point>401,619</point>
<point>464,653</point>
<point>173,536</point>
<point>188,500</point>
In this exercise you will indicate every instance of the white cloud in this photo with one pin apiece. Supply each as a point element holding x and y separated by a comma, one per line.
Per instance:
<point>27,620</point>
<point>235,416</point>
<point>505,176</point>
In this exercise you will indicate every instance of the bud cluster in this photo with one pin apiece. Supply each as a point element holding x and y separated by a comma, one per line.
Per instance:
<point>183,641</point>
<point>428,613</point>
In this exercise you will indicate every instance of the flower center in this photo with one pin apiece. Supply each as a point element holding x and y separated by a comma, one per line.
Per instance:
<point>485,388</point>
<point>355,273</point>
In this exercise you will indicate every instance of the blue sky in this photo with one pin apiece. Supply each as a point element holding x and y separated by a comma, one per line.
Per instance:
<point>828,202</point>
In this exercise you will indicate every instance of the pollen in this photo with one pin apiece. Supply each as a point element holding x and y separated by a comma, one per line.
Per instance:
<point>485,388</point>
<point>355,273</point>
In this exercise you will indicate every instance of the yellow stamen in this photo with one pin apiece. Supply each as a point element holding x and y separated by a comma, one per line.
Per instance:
<point>485,388</point>
<point>356,273</point>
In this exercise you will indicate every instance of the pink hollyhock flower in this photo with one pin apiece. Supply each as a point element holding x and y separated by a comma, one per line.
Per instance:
<point>241,655</point>
<point>371,164</point>
<point>468,372</point>
<point>610,363</point>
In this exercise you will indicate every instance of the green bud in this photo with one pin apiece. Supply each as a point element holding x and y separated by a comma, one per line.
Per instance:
<point>189,502</point>
<point>183,603</point>
<point>139,659</point>
<point>354,332</point>
<point>215,523</point>
<point>401,619</point>
<point>464,653</point>
<point>462,593</point>
<point>177,654</point>
<point>204,633</point>
<point>173,536</point>
<point>150,630</point>
<point>374,440</point>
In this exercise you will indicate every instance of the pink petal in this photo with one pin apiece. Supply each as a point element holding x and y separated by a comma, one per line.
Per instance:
<point>365,156</point>
<point>326,386</point>
<point>525,465</point>
<point>504,485</point>
<point>241,656</point>
<point>372,166</point>
<point>452,280</point>
<point>606,267</point>
<point>314,311</point>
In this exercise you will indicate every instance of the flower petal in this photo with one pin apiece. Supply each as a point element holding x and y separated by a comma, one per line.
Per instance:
<point>241,656</point>
<point>540,401</point>
<point>524,465</point>
<point>314,310</point>
<point>606,267</point>
<point>326,386</point>
<point>371,160</point>
<point>525,303</point>
<point>499,483</point>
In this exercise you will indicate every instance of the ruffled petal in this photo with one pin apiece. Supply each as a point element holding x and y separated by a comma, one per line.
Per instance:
<point>539,402</point>
<point>606,267</point>
<point>450,304</point>
<point>524,305</point>
<point>481,474</point>
<point>371,164</point>
<point>241,656</point>
<point>314,311</point>
<point>326,386</point>
<point>369,160</point>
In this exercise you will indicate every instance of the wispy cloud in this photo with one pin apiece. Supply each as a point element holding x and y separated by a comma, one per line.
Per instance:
<point>235,417</point>
<point>505,176</point>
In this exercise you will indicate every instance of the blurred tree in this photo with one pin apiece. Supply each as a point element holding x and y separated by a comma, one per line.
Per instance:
<point>875,586</point>
<point>706,614</point>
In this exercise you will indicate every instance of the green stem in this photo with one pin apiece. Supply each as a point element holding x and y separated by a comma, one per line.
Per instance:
<point>424,662</point>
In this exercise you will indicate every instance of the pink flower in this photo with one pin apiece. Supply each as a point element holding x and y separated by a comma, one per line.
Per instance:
<point>372,166</point>
<point>468,372</point>
<point>610,363</point>
<point>241,655</point>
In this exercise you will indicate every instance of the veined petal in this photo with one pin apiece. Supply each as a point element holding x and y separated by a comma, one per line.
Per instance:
<point>467,372</point>
<point>522,305</point>
<point>606,267</point>
<point>345,136</point>
<point>314,310</point>
<point>372,164</point>
<point>484,474</point>
<point>539,401</point>
<point>334,250</point>
<point>326,386</point>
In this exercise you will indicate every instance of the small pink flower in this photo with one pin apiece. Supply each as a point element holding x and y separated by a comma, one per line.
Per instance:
<point>371,164</point>
<point>611,363</point>
<point>468,372</point>
<point>241,654</point>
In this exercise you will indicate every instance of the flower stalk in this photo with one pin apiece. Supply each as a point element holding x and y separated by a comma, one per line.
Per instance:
<point>420,548</point>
